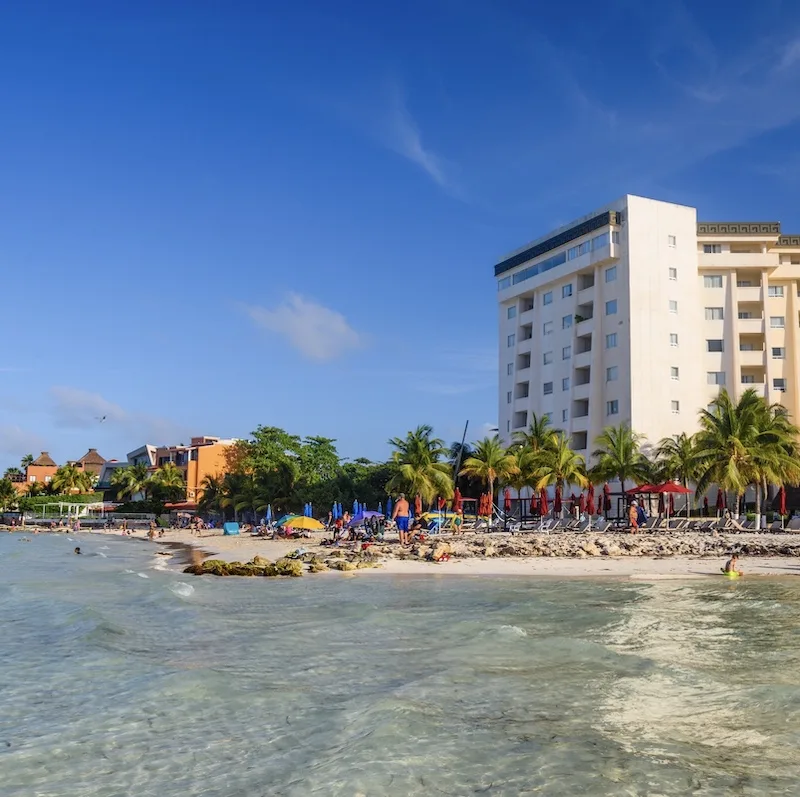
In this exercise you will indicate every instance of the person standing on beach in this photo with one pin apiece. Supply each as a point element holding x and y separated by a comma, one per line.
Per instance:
<point>633,516</point>
<point>400,516</point>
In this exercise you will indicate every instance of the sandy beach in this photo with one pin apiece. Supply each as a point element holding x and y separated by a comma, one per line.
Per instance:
<point>243,548</point>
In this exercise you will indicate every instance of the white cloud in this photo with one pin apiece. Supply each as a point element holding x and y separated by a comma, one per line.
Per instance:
<point>791,55</point>
<point>316,331</point>
<point>74,408</point>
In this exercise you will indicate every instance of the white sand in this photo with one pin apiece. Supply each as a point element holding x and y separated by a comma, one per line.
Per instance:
<point>242,548</point>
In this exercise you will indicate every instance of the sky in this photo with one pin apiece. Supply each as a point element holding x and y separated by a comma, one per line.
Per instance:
<point>219,215</point>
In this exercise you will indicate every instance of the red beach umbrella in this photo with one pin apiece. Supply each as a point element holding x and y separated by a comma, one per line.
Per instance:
<point>705,505</point>
<point>557,501</point>
<point>573,502</point>
<point>441,502</point>
<point>543,507</point>
<point>534,504</point>
<point>782,501</point>
<point>720,500</point>
<point>507,500</point>
<point>661,508</point>
<point>590,507</point>
<point>457,500</point>
<point>417,505</point>
<point>606,498</point>
<point>672,503</point>
<point>581,503</point>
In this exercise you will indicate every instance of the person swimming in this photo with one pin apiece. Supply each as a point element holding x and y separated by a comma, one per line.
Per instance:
<point>77,550</point>
<point>730,565</point>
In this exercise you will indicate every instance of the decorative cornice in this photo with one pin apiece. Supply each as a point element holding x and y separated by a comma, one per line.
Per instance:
<point>579,230</point>
<point>789,240</point>
<point>738,228</point>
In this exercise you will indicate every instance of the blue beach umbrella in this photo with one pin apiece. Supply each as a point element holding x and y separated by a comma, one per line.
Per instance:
<point>310,509</point>
<point>380,507</point>
<point>355,507</point>
<point>389,507</point>
<point>269,513</point>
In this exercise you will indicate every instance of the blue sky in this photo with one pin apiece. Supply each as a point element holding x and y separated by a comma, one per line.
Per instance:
<point>219,215</point>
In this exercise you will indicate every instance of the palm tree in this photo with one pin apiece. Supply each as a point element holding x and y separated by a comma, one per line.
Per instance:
<point>131,480</point>
<point>419,459</point>
<point>213,488</point>
<point>71,479</point>
<point>745,442</point>
<point>8,494</point>
<point>560,466</point>
<point>490,462</point>
<point>619,456</point>
<point>169,475</point>
<point>11,473</point>
<point>676,458</point>
<point>527,462</point>
<point>26,460</point>
<point>539,434</point>
<point>33,489</point>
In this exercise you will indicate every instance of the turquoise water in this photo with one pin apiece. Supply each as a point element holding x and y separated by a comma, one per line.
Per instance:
<point>112,683</point>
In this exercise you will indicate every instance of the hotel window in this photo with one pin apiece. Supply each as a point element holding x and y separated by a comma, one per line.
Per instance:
<point>32,478</point>
<point>672,240</point>
<point>547,388</point>
<point>547,298</point>
<point>714,314</point>
<point>674,373</point>
<point>510,369</point>
<point>779,385</point>
<point>744,284</point>
<point>566,322</point>
<point>566,291</point>
<point>572,253</point>
<point>508,397</point>
<point>676,407</point>
<point>777,321</point>
<point>612,407</point>
<point>714,345</point>
<point>712,281</point>
<point>712,249</point>
<point>503,283</point>
<point>565,383</point>
<point>745,314</point>
<point>584,248</point>
<point>564,416</point>
<point>508,426</point>
<point>611,307</point>
<point>611,274</point>
<point>778,353</point>
<point>775,291</point>
<point>511,312</point>
<point>547,328</point>
<point>673,306</point>
<point>512,339</point>
<point>547,358</point>
<point>611,341</point>
<point>566,352</point>
<point>615,237</point>
<point>612,373</point>
<point>748,379</point>
<point>715,377</point>
<point>747,346</point>
<point>673,274</point>
<point>673,339</point>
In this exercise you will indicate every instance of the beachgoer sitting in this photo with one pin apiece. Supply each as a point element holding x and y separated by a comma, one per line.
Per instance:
<point>730,565</point>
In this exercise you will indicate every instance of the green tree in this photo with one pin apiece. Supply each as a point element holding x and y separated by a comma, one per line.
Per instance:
<point>32,489</point>
<point>619,456</point>
<point>11,473</point>
<point>26,460</point>
<point>71,479</point>
<point>213,495</point>
<point>491,463</point>
<point>364,480</point>
<point>676,458</point>
<point>560,466</point>
<point>169,483</point>
<point>539,436</point>
<point>131,480</point>
<point>9,497</point>
<point>420,468</point>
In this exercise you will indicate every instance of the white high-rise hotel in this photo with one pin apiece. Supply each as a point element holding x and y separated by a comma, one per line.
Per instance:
<point>639,313</point>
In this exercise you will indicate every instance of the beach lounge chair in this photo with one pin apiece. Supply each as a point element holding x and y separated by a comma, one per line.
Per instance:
<point>601,526</point>
<point>793,524</point>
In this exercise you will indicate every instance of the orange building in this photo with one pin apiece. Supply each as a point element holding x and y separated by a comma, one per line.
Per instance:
<point>204,456</point>
<point>41,470</point>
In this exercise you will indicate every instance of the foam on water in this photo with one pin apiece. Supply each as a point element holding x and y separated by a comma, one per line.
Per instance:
<point>399,687</point>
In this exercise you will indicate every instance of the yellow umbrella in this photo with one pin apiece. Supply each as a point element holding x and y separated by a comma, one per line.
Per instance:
<point>302,522</point>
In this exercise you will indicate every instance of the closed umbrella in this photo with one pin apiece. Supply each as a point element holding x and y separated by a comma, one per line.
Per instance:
<point>661,508</point>
<point>355,506</point>
<point>440,503</point>
<point>380,507</point>
<point>457,500</point>
<point>672,503</point>
<point>534,504</point>
<point>782,501</point>
<point>606,498</point>
<point>557,501</point>
<point>720,500</point>
<point>590,507</point>
<point>705,505</point>
<point>269,513</point>
<point>507,500</point>
<point>389,506</point>
<point>543,507</point>
<point>581,503</point>
<point>417,504</point>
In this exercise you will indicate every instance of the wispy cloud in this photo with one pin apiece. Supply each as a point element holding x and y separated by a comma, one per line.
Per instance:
<point>17,442</point>
<point>74,408</point>
<point>791,54</point>
<point>455,372</point>
<point>401,134</point>
<point>317,332</point>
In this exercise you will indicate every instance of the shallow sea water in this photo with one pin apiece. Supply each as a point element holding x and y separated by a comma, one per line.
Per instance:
<point>120,678</point>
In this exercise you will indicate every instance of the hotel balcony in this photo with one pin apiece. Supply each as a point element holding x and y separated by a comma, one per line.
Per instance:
<point>726,260</point>
<point>754,294</point>
<point>750,326</point>
<point>751,359</point>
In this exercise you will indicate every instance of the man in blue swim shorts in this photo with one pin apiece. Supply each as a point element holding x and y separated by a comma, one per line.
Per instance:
<point>400,516</point>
